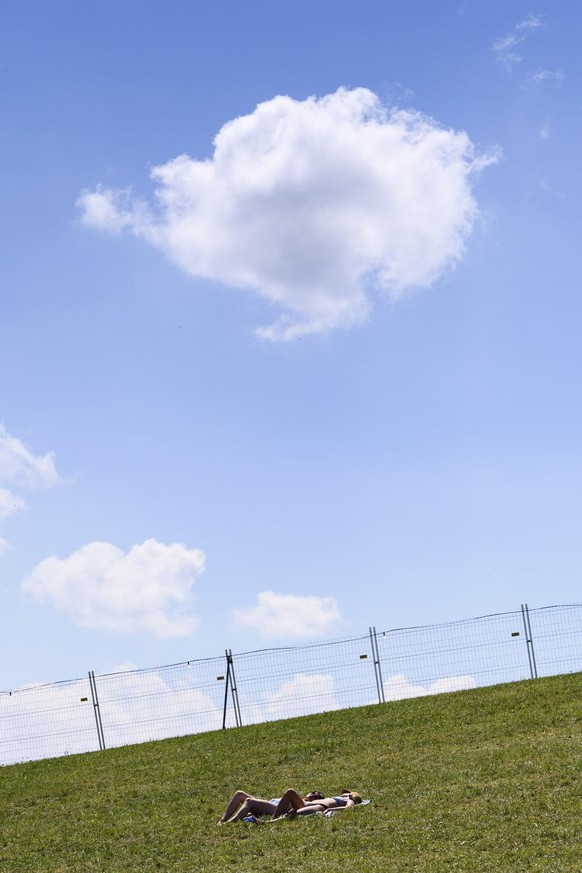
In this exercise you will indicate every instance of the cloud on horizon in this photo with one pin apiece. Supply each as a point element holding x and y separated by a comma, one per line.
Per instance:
<point>290,616</point>
<point>398,687</point>
<point>313,205</point>
<point>42,721</point>
<point>139,706</point>
<point>303,694</point>
<point>149,589</point>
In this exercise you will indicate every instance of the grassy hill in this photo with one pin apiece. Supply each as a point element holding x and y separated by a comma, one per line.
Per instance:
<point>481,780</point>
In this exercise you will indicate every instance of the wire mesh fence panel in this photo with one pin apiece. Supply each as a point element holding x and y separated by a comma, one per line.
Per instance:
<point>134,706</point>
<point>302,680</point>
<point>557,639</point>
<point>453,656</point>
<point>47,721</point>
<point>141,705</point>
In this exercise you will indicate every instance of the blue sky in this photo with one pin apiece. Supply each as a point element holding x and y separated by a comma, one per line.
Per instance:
<point>320,373</point>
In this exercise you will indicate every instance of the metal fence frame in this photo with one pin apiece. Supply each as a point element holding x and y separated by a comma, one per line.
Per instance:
<point>135,706</point>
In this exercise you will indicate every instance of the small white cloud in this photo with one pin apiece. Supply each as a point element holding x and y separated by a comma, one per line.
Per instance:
<point>20,468</point>
<point>532,22</point>
<point>549,189</point>
<point>548,76</point>
<point>9,503</point>
<point>504,48</point>
<point>123,667</point>
<point>113,211</point>
<point>545,132</point>
<point>4,546</point>
<point>290,616</point>
<point>452,683</point>
<point>19,465</point>
<point>313,205</point>
<point>304,694</point>
<point>148,589</point>
<point>398,687</point>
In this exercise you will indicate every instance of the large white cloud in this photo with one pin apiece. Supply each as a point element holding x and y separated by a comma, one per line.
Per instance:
<point>290,616</point>
<point>312,204</point>
<point>148,589</point>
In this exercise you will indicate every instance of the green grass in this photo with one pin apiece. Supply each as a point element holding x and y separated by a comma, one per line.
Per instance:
<point>481,780</point>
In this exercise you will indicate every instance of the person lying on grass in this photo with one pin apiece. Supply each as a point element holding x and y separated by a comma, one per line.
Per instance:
<point>308,806</point>
<point>241,805</point>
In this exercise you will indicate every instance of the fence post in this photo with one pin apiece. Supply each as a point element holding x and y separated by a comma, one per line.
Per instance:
<point>97,711</point>
<point>231,683</point>
<point>529,641</point>
<point>377,665</point>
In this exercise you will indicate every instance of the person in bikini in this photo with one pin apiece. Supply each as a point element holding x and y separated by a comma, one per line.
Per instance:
<point>242,805</point>
<point>293,804</point>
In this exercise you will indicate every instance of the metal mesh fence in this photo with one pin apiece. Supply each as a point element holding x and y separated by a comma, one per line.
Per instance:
<point>302,680</point>
<point>453,656</point>
<point>135,706</point>
<point>557,639</point>
<point>141,705</point>
<point>44,721</point>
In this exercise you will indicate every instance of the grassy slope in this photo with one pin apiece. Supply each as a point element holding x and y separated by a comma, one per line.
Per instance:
<point>480,780</point>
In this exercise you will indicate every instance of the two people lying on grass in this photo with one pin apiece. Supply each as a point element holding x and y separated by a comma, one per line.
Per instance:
<point>242,805</point>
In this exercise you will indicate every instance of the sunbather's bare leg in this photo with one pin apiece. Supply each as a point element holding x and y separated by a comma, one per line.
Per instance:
<point>254,806</point>
<point>235,801</point>
<point>289,799</point>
